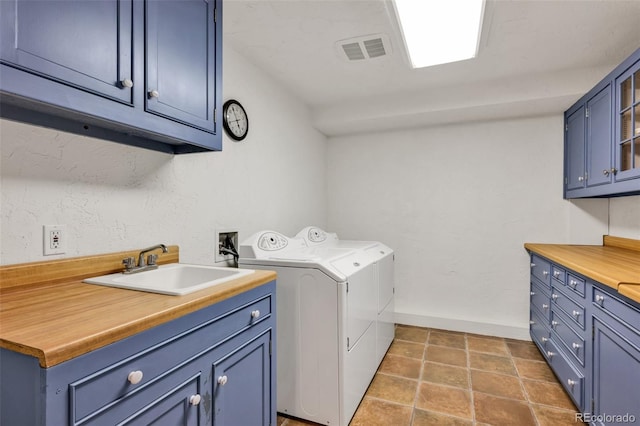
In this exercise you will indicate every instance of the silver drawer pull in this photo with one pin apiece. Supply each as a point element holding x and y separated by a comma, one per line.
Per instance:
<point>545,306</point>
<point>135,377</point>
<point>533,293</point>
<point>127,83</point>
<point>195,399</point>
<point>554,296</point>
<point>533,265</point>
<point>550,354</point>
<point>573,283</point>
<point>576,346</point>
<point>545,339</point>
<point>599,299</point>
<point>571,383</point>
<point>255,314</point>
<point>531,322</point>
<point>153,93</point>
<point>576,313</point>
<point>556,274</point>
<point>545,273</point>
<point>554,324</point>
<point>222,380</point>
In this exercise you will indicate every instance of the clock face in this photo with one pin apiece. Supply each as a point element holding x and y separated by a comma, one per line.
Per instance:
<point>235,120</point>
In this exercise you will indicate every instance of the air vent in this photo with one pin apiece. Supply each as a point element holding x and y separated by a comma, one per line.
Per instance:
<point>363,48</point>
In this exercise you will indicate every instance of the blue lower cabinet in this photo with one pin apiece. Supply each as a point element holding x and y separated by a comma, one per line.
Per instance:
<point>591,341</point>
<point>214,366</point>
<point>616,361</point>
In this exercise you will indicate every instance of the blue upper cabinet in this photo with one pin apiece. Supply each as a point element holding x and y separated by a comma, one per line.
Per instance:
<point>627,138</point>
<point>146,73</point>
<point>72,43</point>
<point>179,84</point>
<point>602,136</point>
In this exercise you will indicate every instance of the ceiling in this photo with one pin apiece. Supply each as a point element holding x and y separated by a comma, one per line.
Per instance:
<point>535,57</point>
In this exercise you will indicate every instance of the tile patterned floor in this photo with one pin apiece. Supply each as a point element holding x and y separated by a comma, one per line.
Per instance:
<point>437,377</point>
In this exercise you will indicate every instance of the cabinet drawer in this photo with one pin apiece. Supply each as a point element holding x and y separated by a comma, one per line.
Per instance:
<point>571,308</point>
<point>616,307</point>
<point>558,273</point>
<point>95,392</point>
<point>541,300</point>
<point>569,378</point>
<point>539,330</point>
<point>572,340</point>
<point>541,269</point>
<point>575,284</point>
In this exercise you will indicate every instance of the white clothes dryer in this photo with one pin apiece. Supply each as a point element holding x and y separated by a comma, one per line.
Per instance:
<point>326,313</point>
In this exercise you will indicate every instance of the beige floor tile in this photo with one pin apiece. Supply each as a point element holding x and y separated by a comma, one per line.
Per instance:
<point>522,349</point>
<point>408,349</point>
<point>375,412</point>
<point>393,389</point>
<point>496,384</point>
<point>445,375</point>
<point>536,370</point>
<point>498,411</point>
<point>548,416</point>
<point>494,346</point>
<point>429,418</point>
<point>492,363</point>
<point>452,340</point>
<point>412,334</point>
<point>446,355</point>
<point>548,394</point>
<point>445,400</point>
<point>401,366</point>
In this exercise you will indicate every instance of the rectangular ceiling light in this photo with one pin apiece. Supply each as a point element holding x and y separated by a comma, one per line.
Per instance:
<point>440,31</point>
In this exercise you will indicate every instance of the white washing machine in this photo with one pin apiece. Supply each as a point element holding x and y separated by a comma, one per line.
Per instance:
<point>384,258</point>
<point>327,314</point>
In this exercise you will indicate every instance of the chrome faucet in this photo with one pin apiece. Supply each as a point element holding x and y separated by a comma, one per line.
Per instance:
<point>143,264</point>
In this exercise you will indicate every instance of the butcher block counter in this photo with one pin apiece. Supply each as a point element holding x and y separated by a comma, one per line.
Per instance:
<point>46,311</point>
<point>615,264</point>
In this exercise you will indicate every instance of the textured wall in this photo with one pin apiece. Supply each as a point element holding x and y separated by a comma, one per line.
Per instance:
<point>113,197</point>
<point>457,203</point>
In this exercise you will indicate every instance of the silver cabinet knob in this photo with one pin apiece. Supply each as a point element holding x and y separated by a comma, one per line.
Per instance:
<point>545,339</point>
<point>576,346</point>
<point>571,383</point>
<point>545,273</point>
<point>576,313</point>
<point>531,322</point>
<point>550,354</point>
<point>554,324</point>
<point>255,314</point>
<point>135,377</point>
<point>573,283</point>
<point>554,296</point>
<point>533,265</point>
<point>599,299</point>
<point>614,170</point>
<point>533,293</point>
<point>580,178</point>
<point>195,399</point>
<point>222,380</point>
<point>153,93</point>
<point>605,172</point>
<point>127,82</point>
<point>545,306</point>
<point>556,274</point>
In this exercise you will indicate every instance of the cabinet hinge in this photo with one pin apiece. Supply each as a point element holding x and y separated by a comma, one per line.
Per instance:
<point>347,343</point>
<point>566,181</point>
<point>215,115</point>
<point>347,286</point>
<point>566,127</point>
<point>586,112</point>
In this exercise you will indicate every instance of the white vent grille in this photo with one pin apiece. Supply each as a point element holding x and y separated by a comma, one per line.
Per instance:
<point>362,48</point>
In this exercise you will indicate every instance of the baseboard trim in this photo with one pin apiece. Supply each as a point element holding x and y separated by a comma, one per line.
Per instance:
<point>453,324</point>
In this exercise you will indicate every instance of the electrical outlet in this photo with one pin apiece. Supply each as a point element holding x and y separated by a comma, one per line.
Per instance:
<point>221,237</point>
<point>54,239</point>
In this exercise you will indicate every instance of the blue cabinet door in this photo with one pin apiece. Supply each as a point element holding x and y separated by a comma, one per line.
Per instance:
<point>180,71</point>
<point>83,44</point>
<point>616,370</point>
<point>242,385</point>
<point>599,134</point>
<point>575,149</point>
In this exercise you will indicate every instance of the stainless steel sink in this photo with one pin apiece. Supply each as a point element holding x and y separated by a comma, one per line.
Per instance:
<point>174,279</point>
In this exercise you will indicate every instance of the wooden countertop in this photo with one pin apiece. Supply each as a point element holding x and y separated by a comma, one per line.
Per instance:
<point>61,318</point>
<point>616,263</point>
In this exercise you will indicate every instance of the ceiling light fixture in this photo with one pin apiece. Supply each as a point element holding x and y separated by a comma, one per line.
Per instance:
<point>440,31</point>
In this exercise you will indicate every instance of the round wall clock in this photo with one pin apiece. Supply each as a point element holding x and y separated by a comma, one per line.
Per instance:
<point>235,120</point>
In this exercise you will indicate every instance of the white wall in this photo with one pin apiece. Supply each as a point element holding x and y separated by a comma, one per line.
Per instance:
<point>457,203</point>
<point>113,197</point>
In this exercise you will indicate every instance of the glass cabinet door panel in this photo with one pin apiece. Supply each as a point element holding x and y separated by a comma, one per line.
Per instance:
<point>636,150</point>
<point>636,116</point>
<point>625,94</point>
<point>636,84</point>
<point>625,126</point>
<point>625,153</point>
